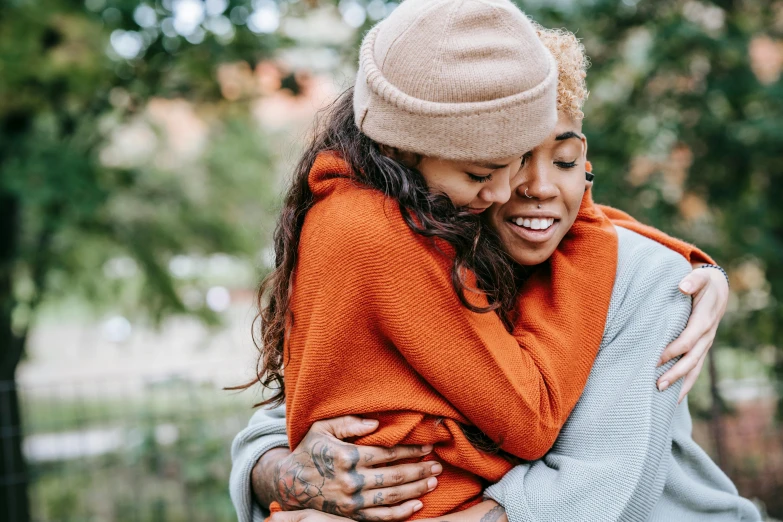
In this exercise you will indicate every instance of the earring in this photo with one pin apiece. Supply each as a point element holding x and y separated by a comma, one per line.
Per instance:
<point>589,176</point>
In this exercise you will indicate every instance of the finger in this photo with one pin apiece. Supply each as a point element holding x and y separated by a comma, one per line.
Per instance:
<point>372,455</point>
<point>691,379</point>
<point>401,474</point>
<point>683,366</point>
<point>391,513</point>
<point>346,426</point>
<point>695,331</point>
<point>397,494</point>
<point>694,281</point>
<point>289,516</point>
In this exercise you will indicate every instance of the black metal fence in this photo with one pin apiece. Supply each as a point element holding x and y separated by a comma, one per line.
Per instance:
<point>117,451</point>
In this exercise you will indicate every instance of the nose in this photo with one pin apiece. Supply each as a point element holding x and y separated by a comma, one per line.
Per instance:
<point>536,181</point>
<point>498,189</point>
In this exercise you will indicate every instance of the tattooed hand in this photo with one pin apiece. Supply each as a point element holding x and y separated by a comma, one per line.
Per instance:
<point>335,477</point>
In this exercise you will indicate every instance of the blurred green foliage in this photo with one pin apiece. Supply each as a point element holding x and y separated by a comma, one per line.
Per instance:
<point>64,94</point>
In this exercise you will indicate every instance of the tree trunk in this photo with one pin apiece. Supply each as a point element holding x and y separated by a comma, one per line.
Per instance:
<point>14,501</point>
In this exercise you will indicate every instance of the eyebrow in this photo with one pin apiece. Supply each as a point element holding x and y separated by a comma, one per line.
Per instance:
<point>567,136</point>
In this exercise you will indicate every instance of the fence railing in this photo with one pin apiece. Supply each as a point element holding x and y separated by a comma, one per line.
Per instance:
<point>150,453</point>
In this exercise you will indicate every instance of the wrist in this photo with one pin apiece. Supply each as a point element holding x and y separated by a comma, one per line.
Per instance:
<point>717,271</point>
<point>263,476</point>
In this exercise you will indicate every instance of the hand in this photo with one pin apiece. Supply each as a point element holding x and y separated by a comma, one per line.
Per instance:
<point>487,511</point>
<point>329,475</point>
<point>304,515</point>
<point>710,292</point>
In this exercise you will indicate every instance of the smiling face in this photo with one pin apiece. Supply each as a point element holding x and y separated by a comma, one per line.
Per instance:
<point>553,175</point>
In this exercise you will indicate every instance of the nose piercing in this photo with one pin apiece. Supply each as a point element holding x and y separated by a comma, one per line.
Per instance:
<point>528,196</point>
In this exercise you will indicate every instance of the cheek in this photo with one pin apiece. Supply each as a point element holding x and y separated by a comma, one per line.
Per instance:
<point>464,196</point>
<point>460,192</point>
<point>573,193</point>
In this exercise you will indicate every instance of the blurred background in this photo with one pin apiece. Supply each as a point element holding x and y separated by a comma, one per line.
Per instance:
<point>143,150</point>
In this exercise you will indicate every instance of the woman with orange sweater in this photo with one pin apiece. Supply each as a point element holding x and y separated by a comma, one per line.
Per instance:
<point>390,298</point>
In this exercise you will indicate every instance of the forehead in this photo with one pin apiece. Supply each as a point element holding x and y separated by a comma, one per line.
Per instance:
<point>566,123</point>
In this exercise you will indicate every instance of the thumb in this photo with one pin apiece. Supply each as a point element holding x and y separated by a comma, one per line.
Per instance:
<point>694,282</point>
<point>288,516</point>
<point>346,426</point>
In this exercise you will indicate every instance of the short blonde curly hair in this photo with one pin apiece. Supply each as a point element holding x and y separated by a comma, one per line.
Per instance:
<point>572,64</point>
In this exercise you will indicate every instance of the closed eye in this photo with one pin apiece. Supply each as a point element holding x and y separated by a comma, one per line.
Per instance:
<point>566,164</point>
<point>479,179</point>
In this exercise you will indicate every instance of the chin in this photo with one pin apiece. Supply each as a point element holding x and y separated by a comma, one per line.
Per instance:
<point>529,257</point>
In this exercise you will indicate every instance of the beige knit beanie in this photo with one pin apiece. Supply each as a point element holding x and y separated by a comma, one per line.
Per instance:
<point>456,79</point>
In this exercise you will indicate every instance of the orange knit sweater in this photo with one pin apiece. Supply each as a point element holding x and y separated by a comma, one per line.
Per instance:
<point>378,331</point>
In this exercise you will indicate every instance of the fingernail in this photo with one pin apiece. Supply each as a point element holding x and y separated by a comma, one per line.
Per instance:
<point>661,362</point>
<point>417,506</point>
<point>686,287</point>
<point>431,483</point>
<point>436,468</point>
<point>662,386</point>
<point>427,448</point>
<point>369,422</point>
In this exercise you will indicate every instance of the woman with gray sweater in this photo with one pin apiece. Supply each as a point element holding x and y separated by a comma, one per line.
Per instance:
<point>626,452</point>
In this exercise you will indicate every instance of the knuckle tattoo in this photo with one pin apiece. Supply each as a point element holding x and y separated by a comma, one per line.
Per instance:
<point>379,480</point>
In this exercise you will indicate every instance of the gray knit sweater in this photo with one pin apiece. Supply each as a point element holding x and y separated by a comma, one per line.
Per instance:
<point>626,452</point>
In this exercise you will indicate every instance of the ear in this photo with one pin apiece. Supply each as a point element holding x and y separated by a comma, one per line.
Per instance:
<point>588,184</point>
<point>409,159</point>
<point>389,152</point>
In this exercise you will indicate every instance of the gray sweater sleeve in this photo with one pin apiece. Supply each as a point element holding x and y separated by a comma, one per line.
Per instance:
<point>265,431</point>
<point>611,459</point>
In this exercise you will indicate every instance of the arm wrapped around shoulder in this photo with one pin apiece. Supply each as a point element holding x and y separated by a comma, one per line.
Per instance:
<point>612,457</point>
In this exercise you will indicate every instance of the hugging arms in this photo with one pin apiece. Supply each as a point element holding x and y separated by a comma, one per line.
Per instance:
<point>464,294</point>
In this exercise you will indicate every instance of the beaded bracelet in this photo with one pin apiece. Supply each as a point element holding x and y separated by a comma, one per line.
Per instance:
<point>721,270</point>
